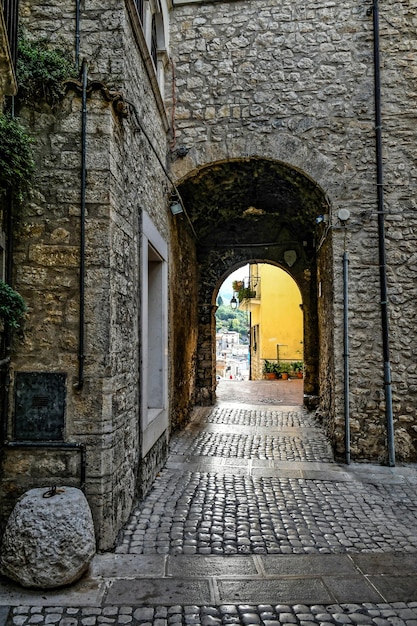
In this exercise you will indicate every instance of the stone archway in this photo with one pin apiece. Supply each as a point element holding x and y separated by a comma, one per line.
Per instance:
<point>272,311</point>
<point>213,269</point>
<point>256,209</point>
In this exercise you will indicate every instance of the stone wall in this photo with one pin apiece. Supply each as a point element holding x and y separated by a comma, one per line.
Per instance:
<point>125,177</point>
<point>278,80</point>
<point>294,81</point>
<point>183,321</point>
<point>329,384</point>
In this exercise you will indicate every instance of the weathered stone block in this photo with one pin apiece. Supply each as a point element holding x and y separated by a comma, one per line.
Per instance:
<point>48,541</point>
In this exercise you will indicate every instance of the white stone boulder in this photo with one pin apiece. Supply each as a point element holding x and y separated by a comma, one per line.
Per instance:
<point>48,541</point>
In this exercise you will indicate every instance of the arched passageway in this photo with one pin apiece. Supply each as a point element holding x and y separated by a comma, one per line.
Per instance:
<point>259,324</point>
<point>258,209</point>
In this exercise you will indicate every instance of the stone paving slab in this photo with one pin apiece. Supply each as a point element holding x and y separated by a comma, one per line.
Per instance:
<point>127,566</point>
<point>128,580</point>
<point>395,563</point>
<point>226,587</point>
<point>395,588</point>
<point>159,591</point>
<point>268,392</point>
<point>212,566</point>
<point>311,565</point>
<point>353,589</point>
<point>377,474</point>
<point>260,467</point>
<point>297,469</point>
<point>86,592</point>
<point>293,591</point>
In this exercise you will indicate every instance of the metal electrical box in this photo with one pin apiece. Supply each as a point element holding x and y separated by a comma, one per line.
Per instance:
<point>39,406</point>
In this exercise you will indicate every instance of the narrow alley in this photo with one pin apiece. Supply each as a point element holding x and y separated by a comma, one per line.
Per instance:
<point>251,522</point>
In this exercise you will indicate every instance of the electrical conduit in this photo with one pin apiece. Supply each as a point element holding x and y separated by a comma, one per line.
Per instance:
<point>81,338</point>
<point>381,243</point>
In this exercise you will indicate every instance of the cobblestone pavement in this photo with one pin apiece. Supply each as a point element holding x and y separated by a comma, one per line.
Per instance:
<point>208,514</point>
<point>395,614</point>
<point>236,512</point>
<point>251,522</point>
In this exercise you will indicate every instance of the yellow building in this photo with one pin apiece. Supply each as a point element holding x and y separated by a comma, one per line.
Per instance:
<point>273,300</point>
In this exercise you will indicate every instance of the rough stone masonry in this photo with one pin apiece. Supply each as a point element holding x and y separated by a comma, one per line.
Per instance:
<point>294,82</point>
<point>290,82</point>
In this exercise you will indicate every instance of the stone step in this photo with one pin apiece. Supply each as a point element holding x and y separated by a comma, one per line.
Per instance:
<point>134,580</point>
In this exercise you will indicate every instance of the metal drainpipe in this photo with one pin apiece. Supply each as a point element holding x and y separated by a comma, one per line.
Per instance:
<point>81,339</point>
<point>5,366</point>
<point>77,33</point>
<point>346,352</point>
<point>250,345</point>
<point>381,242</point>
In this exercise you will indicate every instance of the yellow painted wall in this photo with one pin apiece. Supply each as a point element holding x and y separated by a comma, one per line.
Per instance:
<point>279,316</point>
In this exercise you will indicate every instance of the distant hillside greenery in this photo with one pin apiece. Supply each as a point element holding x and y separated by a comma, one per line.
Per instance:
<point>236,320</point>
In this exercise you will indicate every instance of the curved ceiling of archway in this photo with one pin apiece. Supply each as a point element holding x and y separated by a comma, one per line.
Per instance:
<point>251,201</point>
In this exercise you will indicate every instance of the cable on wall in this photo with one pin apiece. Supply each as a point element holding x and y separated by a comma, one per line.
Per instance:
<point>164,169</point>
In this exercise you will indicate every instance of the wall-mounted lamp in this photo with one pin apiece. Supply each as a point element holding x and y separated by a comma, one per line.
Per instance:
<point>233,303</point>
<point>343,215</point>
<point>176,207</point>
<point>182,151</point>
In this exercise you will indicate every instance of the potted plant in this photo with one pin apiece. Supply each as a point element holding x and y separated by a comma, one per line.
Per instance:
<point>297,368</point>
<point>246,293</point>
<point>277,370</point>
<point>269,369</point>
<point>237,285</point>
<point>285,370</point>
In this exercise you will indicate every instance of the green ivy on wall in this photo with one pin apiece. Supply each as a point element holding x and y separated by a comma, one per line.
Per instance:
<point>12,307</point>
<point>16,157</point>
<point>41,72</point>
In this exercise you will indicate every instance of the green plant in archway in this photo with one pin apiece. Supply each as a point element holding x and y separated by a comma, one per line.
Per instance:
<point>41,72</point>
<point>12,307</point>
<point>16,157</point>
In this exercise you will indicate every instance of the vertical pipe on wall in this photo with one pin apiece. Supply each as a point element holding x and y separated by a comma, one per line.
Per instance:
<point>250,345</point>
<point>346,352</point>
<point>77,33</point>
<point>5,357</point>
<point>81,338</point>
<point>381,242</point>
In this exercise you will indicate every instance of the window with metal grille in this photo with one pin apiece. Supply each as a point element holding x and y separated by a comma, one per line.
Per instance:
<point>154,42</point>
<point>11,12</point>
<point>140,9</point>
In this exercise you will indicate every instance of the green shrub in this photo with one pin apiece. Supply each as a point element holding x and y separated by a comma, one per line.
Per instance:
<point>41,72</point>
<point>268,367</point>
<point>12,307</point>
<point>16,157</point>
